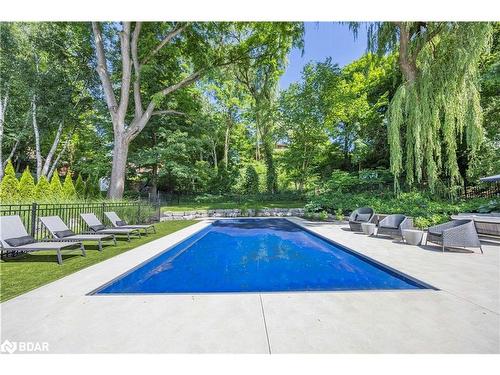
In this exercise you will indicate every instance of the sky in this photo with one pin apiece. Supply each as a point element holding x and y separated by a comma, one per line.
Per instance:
<point>321,40</point>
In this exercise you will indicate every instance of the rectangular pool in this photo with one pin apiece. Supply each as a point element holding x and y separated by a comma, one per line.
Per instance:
<point>257,255</point>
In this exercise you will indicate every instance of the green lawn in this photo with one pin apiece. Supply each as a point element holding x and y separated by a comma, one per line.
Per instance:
<point>191,206</point>
<point>27,272</point>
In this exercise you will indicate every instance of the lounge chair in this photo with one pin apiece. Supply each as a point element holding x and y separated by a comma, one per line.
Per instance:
<point>456,233</point>
<point>14,237</point>
<point>97,227</point>
<point>359,216</point>
<point>393,225</point>
<point>119,223</point>
<point>61,233</point>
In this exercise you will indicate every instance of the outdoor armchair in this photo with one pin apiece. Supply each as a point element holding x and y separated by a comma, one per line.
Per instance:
<point>456,233</point>
<point>393,225</point>
<point>119,223</point>
<point>97,227</point>
<point>14,237</point>
<point>61,233</point>
<point>359,216</point>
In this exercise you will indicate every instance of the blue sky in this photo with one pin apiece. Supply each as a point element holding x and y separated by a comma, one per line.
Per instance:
<point>321,40</point>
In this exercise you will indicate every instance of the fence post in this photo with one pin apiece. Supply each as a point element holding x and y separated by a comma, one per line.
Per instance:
<point>102,212</point>
<point>33,219</point>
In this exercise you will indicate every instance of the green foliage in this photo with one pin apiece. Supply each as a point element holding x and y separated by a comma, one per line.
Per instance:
<point>80,187</point>
<point>68,188</point>
<point>92,188</point>
<point>43,191</point>
<point>491,206</point>
<point>438,105</point>
<point>251,180</point>
<point>55,186</point>
<point>9,186</point>
<point>27,186</point>
<point>425,209</point>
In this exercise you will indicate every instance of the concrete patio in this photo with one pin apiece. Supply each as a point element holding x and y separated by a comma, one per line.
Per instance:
<point>462,316</point>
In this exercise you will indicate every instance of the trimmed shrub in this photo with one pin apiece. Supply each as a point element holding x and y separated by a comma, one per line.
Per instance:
<point>251,180</point>
<point>55,186</point>
<point>80,187</point>
<point>68,189</point>
<point>27,186</point>
<point>9,187</point>
<point>43,191</point>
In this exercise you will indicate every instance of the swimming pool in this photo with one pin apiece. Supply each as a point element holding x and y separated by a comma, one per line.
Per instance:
<point>257,255</point>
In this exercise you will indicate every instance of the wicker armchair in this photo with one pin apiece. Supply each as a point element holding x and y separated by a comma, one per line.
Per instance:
<point>359,216</point>
<point>456,233</point>
<point>393,225</point>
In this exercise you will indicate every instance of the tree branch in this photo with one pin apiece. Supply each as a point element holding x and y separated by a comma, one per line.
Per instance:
<point>53,149</point>
<point>56,161</point>
<point>172,34</point>
<point>168,112</point>
<point>14,148</point>
<point>126,73</point>
<point>102,70</point>
<point>185,82</point>
<point>137,71</point>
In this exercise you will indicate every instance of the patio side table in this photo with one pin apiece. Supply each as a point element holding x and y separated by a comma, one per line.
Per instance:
<point>413,236</point>
<point>368,228</point>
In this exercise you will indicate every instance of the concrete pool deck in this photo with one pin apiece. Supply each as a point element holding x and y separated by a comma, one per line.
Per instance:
<point>463,316</point>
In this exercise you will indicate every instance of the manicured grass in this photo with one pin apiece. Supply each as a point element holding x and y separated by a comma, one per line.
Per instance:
<point>26,272</point>
<point>191,206</point>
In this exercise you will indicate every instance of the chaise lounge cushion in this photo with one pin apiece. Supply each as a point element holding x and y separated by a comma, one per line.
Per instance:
<point>64,233</point>
<point>20,241</point>
<point>121,223</point>
<point>363,217</point>
<point>97,228</point>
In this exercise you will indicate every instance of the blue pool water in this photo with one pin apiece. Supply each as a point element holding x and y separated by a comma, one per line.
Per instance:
<point>257,255</point>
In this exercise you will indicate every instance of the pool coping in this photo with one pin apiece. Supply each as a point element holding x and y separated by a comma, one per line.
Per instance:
<point>421,285</point>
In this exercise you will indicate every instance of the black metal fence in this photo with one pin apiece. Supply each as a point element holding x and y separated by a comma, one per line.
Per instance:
<point>491,190</point>
<point>132,212</point>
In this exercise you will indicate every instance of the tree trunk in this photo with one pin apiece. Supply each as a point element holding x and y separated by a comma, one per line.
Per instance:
<point>117,183</point>
<point>3,107</point>
<point>271,178</point>
<point>226,140</point>
<point>38,154</point>
<point>48,160</point>
<point>407,62</point>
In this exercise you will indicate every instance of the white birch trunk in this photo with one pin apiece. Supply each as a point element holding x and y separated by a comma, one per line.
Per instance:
<point>3,107</point>
<point>38,154</point>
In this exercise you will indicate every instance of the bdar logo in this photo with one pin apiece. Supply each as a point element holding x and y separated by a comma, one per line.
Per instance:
<point>8,347</point>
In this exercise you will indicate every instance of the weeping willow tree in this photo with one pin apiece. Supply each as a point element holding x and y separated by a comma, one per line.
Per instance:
<point>437,106</point>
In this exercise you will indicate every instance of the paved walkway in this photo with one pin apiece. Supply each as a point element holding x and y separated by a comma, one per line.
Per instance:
<point>463,316</point>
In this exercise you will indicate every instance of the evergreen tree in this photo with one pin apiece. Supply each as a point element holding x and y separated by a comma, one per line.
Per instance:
<point>56,187</point>
<point>43,192</point>
<point>26,186</point>
<point>251,181</point>
<point>9,187</point>
<point>68,189</point>
<point>80,187</point>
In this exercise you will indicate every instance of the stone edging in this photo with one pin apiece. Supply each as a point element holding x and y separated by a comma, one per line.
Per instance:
<point>264,212</point>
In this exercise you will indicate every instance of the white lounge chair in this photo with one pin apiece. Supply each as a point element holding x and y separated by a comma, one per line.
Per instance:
<point>97,227</point>
<point>14,237</point>
<point>119,223</point>
<point>61,233</point>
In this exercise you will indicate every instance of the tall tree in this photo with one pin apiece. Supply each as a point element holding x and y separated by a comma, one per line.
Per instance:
<point>186,51</point>
<point>260,76</point>
<point>438,103</point>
